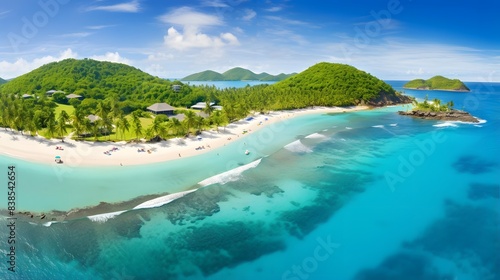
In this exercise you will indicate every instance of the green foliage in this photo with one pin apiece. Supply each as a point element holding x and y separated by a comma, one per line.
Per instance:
<point>60,97</point>
<point>96,79</point>
<point>119,94</point>
<point>437,83</point>
<point>235,74</point>
<point>432,106</point>
<point>2,81</point>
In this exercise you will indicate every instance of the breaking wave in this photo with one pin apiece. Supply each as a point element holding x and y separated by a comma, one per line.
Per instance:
<point>229,176</point>
<point>298,147</point>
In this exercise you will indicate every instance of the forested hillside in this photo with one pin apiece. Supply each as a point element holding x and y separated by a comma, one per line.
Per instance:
<point>113,91</point>
<point>97,79</point>
<point>2,81</point>
<point>437,83</point>
<point>235,74</point>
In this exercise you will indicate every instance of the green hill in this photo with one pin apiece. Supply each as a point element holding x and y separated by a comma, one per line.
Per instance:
<point>207,75</point>
<point>98,80</point>
<point>2,81</point>
<point>437,83</point>
<point>340,84</point>
<point>235,74</point>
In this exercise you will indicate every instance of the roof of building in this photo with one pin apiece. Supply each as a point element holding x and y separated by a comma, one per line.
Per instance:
<point>160,107</point>
<point>93,118</point>
<point>201,105</point>
<point>27,95</point>
<point>72,95</point>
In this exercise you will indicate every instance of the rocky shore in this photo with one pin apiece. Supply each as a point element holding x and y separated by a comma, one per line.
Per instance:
<point>453,115</point>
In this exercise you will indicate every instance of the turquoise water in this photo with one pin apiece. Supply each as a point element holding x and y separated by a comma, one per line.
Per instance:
<point>365,195</point>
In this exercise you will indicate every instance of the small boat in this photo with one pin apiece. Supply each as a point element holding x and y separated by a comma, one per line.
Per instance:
<point>247,152</point>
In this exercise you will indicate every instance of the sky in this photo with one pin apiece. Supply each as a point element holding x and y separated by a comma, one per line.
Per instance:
<point>391,39</point>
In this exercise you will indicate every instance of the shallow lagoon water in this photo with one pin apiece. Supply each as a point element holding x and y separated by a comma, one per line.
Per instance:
<point>365,195</point>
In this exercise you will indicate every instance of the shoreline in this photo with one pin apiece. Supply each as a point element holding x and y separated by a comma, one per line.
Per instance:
<point>37,149</point>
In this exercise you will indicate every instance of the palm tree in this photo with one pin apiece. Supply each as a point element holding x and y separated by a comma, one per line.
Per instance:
<point>175,125</point>
<point>149,133</point>
<point>61,123</point>
<point>123,125</point>
<point>208,107</point>
<point>78,121</point>
<point>51,128</point>
<point>136,125</point>
<point>218,117</point>
<point>437,104</point>
<point>190,120</point>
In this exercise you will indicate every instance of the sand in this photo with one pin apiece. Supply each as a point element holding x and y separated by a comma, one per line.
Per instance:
<point>85,153</point>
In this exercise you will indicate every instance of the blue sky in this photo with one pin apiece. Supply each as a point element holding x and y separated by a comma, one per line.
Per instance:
<point>391,39</point>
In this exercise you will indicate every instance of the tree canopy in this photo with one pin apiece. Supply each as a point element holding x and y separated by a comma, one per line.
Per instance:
<point>437,83</point>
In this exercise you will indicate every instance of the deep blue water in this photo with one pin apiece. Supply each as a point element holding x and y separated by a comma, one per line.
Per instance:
<point>365,195</point>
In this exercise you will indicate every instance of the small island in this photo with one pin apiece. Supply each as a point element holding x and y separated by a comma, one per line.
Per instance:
<point>434,110</point>
<point>437,83</point>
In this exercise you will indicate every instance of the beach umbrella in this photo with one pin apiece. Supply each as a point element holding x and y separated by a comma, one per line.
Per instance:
<point>58,157</point>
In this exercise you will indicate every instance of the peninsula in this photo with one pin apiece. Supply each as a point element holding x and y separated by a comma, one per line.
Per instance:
<point>437,83</point>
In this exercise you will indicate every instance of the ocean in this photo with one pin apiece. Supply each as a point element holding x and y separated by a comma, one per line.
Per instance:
<point>362,195</point>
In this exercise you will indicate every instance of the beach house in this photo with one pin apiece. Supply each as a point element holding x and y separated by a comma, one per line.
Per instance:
<point>161,108</point>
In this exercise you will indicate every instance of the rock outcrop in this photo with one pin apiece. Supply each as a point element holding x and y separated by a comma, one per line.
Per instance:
<point>453,115</point>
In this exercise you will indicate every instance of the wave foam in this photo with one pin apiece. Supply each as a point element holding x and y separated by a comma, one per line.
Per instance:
<point>298,147</point>
<point>160,201</point>
<point>229,176</point>
<point>347,127</point>
<point>316,136</point>
<point>101,218</point>
<point>445,124</point>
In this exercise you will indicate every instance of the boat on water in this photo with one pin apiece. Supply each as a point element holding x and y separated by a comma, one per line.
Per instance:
<point>247,152</point>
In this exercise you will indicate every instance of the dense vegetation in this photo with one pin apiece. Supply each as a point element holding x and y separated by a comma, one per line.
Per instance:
<point>118,94</point>
<point>235,74</point>
<point>2,81</point>
<point>432,106</point>
<point>437,83</point>
<point>96,80</point>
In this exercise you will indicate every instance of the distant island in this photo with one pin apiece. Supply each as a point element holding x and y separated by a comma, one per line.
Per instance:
<point>437,83</point>
<point>235,74</point>
<point>435,110</point>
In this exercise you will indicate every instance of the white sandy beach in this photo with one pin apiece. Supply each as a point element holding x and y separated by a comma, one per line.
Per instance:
<point>84,153</point>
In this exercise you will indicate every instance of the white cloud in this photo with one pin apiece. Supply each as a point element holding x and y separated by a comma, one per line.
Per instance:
<point>186,16</point>
<point>215,3</point>
<point>288,21</point>
<point>274,9</point>
<point>4,13</point>
<point>75,35</point>
<point>111,57</point>
<point>130,7</point>
<point>398,59</point>
<point>249,14</point>
<point>191,36</point>
<point>98,27</point>
<point>230,39</point>
<point>21,66</point>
